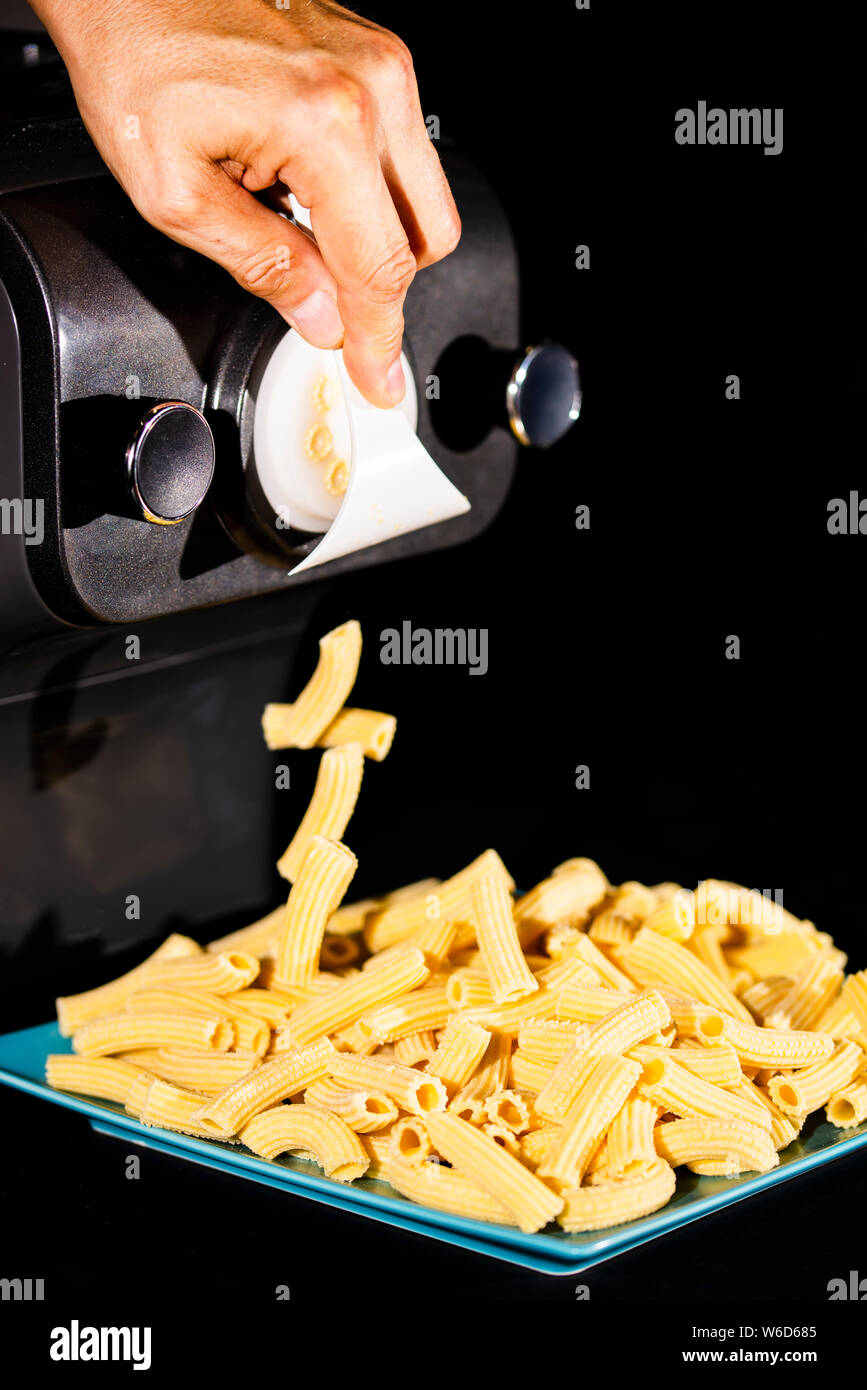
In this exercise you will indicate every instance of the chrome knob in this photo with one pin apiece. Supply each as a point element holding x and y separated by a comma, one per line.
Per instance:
<point>170,462</point>
<point>543,395</point>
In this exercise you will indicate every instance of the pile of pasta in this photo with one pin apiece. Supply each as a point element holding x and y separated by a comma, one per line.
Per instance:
<point>552,1056</point>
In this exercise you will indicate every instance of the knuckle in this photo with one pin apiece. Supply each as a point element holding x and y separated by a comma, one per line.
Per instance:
<point>392,276</point>
<point>174,207</point>
<point>339,100</point>
<point>391,58</point>
<point>264,270</point>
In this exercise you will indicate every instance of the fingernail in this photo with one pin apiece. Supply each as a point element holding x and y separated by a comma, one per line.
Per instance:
<point>395,385</point>
<point>318,320</point>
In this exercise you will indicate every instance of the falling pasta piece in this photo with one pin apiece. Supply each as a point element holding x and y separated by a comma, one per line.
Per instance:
<point>318,443</point>
<point>299,725</point>
<point>337,477</point>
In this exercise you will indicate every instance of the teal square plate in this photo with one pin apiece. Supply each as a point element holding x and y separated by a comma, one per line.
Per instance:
<point>552,1251</point>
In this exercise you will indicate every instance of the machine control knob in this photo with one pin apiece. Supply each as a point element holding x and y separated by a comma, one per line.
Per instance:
<point>170,462</point>
<point>543,395</point>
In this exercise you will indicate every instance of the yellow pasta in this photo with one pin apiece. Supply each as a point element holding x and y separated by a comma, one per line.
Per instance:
<point>171,1107</point>
<point>126,1032</point>
<point>270,1005</point>
<point>848,1106</point>
<point>670,1086</point>
<point>451,900</point>
<point>812,990</point>
<point>806,1090</point>
<point>509,1109</point>
<point>410,1140</point>
<point>325,875</point>
<point>855,996</point>
<point>415,1047</point>
<point>411,1013</point>
<point>75,1009</point>
<point>213,973</point>
<point>351,999</point>
<point>590,954</point>
<point>311,1133</point>
<point>740,1147</point>
<point>625,1198</point>
<point>655,960</point>
<point>623,1028</point>
<point>530,1203</point>
<point>369,728</point>
<point>338,783</point>
<point>588,1003</point>
<point>433,1185</point>
<point>413,1090</point>
<point>508,972</point>
<point>630,1137</point>
<point>774,1047</point>
<point>195,1070</point>
<point>569,896</point>
<point>248,1033</point>
<point>673,917</point>
<point>365,1111</point>
<point>301,724</point>
<point>106,1078</point>
<point>603,1089</point>
<point>273,1081</point>
<point>459,1053</point>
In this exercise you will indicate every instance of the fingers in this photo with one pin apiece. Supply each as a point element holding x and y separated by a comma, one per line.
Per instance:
<point>359,234</point>
<point>211,213</point>
<point>413,173</point>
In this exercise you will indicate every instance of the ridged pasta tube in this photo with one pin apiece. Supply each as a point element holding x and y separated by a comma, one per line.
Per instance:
<point>509,1109</point>
<point>769,1047</point>
<point>127,1032</point>
<point>106,1078</point>
<point>814,987</point>
<point>461,1047</point>
<point>673,917</point>
<point>569,895</point>
<point>325,875</point>
<point>630,1137</point>
<point>171,1107</point>
<point>855,995</point>
<point>227,1113</point>
<point>433,1185</point>
<point>415,1048</point>
<point>310,1133</point>
<point>352,998</point>
<point>249,1034</point>
<point>212,973</point>
<point>301,724</point>
<point>451,900</point>
<point>503,958</point>
<point>802,1092</point>
<point>411,1013</point>
<point>620,1030</point>
<point>338,783</point>
<point>603,1089</point>
<point>654,960</point>
<point>718,1065</point>
<point>626,1198</point>
<point>371,729</point>
<point>477,1156</point>
<point>205,1072</point>
<point>492,1073</point>
<point>741,1147</point>
<point>75,1009</point>
<point>413,1090</point>
<point>365,1111</point>
<point>848,1106</point>
<point>587,1003</point>
<point>410,1140</point>
<point>673,1088</point>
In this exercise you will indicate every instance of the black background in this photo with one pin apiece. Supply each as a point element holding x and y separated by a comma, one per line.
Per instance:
<point>606,647</point>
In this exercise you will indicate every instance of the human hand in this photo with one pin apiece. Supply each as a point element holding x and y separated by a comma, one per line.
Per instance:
<point>195,106</point>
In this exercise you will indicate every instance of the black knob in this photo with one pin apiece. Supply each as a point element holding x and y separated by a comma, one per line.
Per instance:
<point>170,462</point>
<point>543,395</point>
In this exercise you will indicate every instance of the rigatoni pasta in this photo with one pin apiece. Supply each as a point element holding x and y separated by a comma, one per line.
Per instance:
<point>519,1059</point>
